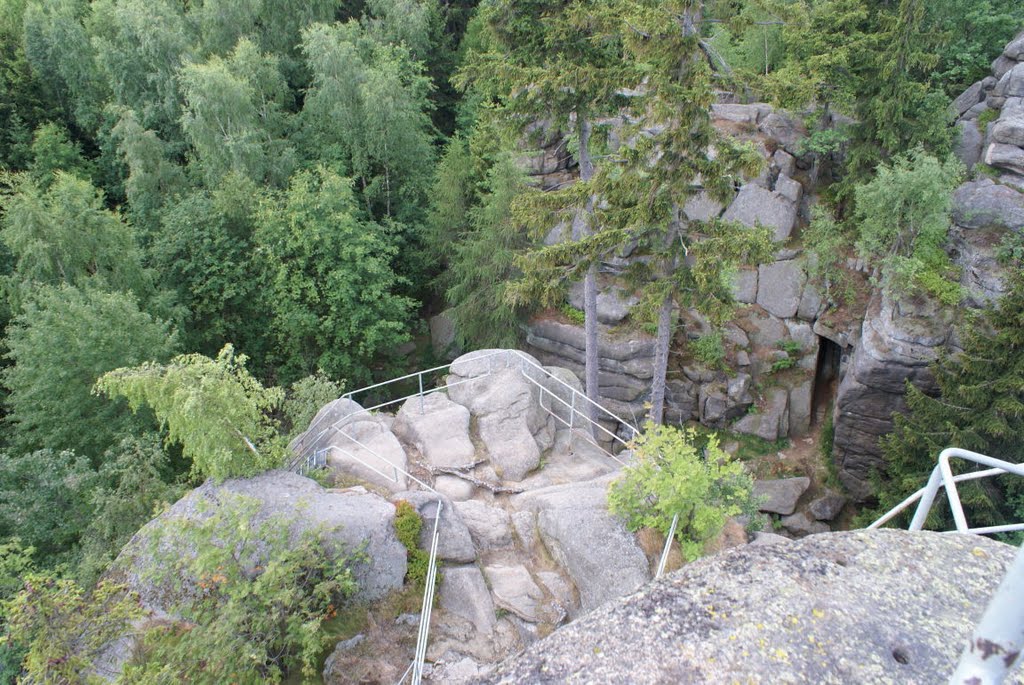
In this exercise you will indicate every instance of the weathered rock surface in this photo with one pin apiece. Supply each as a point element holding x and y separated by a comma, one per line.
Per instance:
<point>342,520</point>
<point>779,287</point>
<point>454,540</point>
<point>827,507</point>
<point>464,594</point>
<point>324,426</point>
<point>896,346</point>
<point>511,424</point>
<point>573,522</point>
<point>884,608</point>
<point>772,421</point>
<point>438,428</point>
<point>490,527</point>
<point>780,496</point>
<point>366,448</point>
<point>442,336</point>
<point>985,204</point>
<point>514,590</point>
<point>801,523</point>
<point>613,303</point>
<point>757,206</point>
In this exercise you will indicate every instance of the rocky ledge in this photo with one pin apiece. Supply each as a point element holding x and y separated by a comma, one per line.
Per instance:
<point>861,607</point>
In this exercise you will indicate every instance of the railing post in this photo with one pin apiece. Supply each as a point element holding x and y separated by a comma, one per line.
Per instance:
<point>927,499</point>
<point>572,408</point>
<point>420,376</point>
<point>668,546</point>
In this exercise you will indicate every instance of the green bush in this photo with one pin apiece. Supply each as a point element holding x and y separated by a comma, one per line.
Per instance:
<point>670,477</point>
<point>709,349</point>
<point>574,315</point>
<point>408,525</point>
<point>257,605</point>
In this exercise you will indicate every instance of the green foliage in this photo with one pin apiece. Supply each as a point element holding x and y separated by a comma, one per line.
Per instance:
<point>331,289</point>
<point>972,35</point>
<point>408,525</point>
<point>574,315</point>
<point>306,397</point>
<point>709,349</point>
<point>669,477</point>
<point>132,486</point>
<point>232,116</point>
<point>979,406</point>
<point>46,501</point>
<point>792,349</point>
<point>63,234</point>
<point>213,408</point>
<point>986,118</point>
<point>66,627</point>
<point>52,151</point>
<point>204,249</point>
<point>62,342</point>
<point>828,242</point>
<point>367,110</point>
<point>902,218</point>
<point>484,262</point>
<point>260,599</point>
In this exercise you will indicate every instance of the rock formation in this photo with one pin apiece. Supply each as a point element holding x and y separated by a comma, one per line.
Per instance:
<point>859,607</point>
<point>899,340</point>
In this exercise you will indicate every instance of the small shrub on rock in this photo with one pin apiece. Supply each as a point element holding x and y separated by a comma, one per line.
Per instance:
<point>669,476</point>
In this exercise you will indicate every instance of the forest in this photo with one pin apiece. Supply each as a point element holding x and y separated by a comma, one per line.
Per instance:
<point>217,215</point>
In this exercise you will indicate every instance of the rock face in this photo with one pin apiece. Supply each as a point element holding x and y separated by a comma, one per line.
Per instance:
<point>897,344</point>
<point>884,608</point>
<point>777,292</point>
<point>342,520</point>
<point>512,425</point>
<point>573,522</point>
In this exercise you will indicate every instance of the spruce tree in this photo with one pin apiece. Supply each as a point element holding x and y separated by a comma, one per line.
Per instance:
<point>681,157</point>
<point>547,62</point>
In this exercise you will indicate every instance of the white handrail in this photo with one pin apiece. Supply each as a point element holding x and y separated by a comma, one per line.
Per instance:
<point>942,477</point>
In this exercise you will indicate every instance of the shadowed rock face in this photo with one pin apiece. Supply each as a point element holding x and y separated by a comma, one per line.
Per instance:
<point>860,607</point>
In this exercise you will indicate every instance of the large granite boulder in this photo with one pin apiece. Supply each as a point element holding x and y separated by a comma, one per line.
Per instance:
<point>438,428</point>
<point>502,391</point>
<point>322,430</point>
<point>898,342</point>
<point>780,286</point>
<point>859,607</point>
<point>367,449</point>
<point>599,554</point>
<point>343,521</point>
<point>779,496</point>
<point>757,206</point>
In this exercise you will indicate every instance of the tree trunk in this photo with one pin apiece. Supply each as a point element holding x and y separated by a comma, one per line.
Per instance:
<point>664,335</point>
<point>661,360</point>
<point>592,360</point>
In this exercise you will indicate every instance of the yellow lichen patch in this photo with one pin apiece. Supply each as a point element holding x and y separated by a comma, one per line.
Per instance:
<point>979,552</point>
<point>817,613</point>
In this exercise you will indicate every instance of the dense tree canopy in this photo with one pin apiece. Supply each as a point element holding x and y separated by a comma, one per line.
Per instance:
<point>306,182</point>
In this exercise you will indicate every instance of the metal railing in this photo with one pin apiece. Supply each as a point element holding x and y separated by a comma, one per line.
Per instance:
<point>942,477</point>
<point>997,642</point>
<point>309,457</point>
<point>305,447</point>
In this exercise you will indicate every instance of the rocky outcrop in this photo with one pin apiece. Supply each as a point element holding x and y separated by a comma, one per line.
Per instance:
<point>573,521</point>
<point>343,521</point>
<point>884,608</point>
<point>898,342</point>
